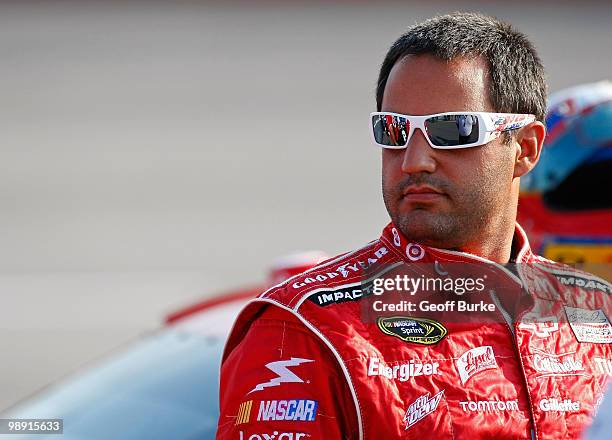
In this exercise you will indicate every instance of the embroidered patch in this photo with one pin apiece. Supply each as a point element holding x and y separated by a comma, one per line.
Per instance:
<point>474,361</point>
<point>417,330</point>
<point>589,325</point>
<point>421,408</point>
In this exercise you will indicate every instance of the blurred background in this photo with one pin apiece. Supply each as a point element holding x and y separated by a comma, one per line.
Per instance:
<point>155,153</point>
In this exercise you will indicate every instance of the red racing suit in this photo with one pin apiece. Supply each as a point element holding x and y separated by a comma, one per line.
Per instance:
<point>341,352</point>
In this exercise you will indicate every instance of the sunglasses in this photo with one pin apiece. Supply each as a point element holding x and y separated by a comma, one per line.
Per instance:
<point>444,130</point>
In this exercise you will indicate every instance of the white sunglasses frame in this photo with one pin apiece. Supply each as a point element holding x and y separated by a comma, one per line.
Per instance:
<point>490,126</point>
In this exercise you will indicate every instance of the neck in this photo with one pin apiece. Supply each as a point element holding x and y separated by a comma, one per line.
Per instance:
<point>498,250</point>
<point>494,242</point>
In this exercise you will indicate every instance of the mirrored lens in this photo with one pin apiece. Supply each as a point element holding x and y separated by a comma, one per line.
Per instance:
<point>452,130</point>
<point>390,130</point>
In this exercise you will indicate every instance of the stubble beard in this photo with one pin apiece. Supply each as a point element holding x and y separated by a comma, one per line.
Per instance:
<point>445,230</point>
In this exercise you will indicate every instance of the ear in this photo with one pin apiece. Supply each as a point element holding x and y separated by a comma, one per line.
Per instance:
<point>528,143</point>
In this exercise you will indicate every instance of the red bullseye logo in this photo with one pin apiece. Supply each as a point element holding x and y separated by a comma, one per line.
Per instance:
<point>414,251</point>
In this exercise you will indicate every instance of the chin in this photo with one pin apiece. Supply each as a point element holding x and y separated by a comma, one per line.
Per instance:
<point>431,229</point>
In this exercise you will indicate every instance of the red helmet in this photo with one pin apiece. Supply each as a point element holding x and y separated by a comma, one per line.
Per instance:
<point>565,203</point>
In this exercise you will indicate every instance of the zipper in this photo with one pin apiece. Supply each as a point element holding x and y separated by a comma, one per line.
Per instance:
<point>504,312</point>
<point>510,325</point>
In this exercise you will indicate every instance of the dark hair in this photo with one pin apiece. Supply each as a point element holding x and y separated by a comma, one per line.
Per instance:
<point>516,74</point>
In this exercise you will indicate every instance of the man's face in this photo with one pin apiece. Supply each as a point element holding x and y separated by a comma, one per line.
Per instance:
<point>444,198</point>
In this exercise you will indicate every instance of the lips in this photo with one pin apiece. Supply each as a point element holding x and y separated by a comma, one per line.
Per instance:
<point>421,193</point>
<point>421,189</point>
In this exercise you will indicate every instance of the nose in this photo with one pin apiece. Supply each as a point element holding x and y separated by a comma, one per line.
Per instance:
<point>418,155</point>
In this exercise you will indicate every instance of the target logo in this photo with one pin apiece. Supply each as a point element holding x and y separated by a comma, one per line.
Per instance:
<point>414,252</point>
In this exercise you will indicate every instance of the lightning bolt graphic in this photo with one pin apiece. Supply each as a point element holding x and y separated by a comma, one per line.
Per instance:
<point>284,375</point>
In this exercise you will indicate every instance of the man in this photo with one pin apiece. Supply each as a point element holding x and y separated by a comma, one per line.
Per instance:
<point>360,347</point>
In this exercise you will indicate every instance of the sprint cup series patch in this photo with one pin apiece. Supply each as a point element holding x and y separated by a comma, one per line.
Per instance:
<point>589,325</point>
<point>418,330</point>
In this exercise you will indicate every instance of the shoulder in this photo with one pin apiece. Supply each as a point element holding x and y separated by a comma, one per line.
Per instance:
<point>573,277</point>
<point>279,306</point>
